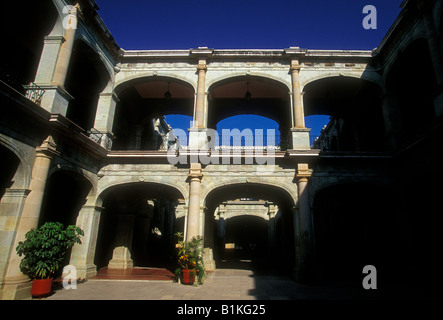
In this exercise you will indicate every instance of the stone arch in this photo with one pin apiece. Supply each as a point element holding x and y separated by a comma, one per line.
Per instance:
<point>289,190</point>
<point>102,190</point>
<point>87,77</point>
<point>66,192</point>
<point>94,46</point>
<point>276,234</point>
<point>367,76</point>
<point>249,94</point>
<point>90,177</point>
<point>407,41</point>
<point>22,175</point>
<point>409,94</point>
<point>126,81</point>
<point>140,219</point>
<point>146,98</point>
<point>356,115</point>
<point>226,78</point>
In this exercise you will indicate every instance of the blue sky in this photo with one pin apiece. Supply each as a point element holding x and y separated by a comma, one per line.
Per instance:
<point>246,24</point>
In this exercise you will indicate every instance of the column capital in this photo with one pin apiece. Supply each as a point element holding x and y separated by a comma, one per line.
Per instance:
<point>303,173</point>
<point>195,172</point>
<point>48,148</point>
<point>202,65</point>
<point>295,67</point>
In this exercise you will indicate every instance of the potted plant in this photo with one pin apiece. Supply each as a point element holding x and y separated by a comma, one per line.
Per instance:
<point>190,260</point>
<point>44,250</point>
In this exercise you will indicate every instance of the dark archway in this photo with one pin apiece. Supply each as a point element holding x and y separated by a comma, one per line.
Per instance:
<point>354,106</point>
<point>86,78</point>
<point>149,211</point>
<point>10,164</point>
<point>23,29</point>
<point>414,88</point>
<point>140,114</point>
<point>65,194</point>
<point>356,225</point>
<point>251,233</point>
<point>250,95</point>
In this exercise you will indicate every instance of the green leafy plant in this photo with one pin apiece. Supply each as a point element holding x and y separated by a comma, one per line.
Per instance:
<point>44,249</point>
<point>190,256</point>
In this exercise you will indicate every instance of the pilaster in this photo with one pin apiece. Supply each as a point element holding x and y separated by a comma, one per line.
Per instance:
<point>15,282</point>
<point>82,255</point>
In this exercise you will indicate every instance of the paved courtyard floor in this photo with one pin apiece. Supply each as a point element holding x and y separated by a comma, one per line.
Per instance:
<point>222,284</point>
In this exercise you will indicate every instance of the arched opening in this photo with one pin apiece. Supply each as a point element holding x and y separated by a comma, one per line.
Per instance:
<point>86,78</point>
<point>140,114</point>
<point>255,126</point>
<point>355,225</point>
<point>354,106</point>
<point>24,35</point>
<point>251,226</point>
<point>250,95</point>
<point>65,194</point>
<point>414,88</point>
<point>246,241</point>
<point>137,226</point>
<point>10,164</point>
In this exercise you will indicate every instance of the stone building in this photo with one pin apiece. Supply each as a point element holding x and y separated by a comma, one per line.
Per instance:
<point>83,141</point>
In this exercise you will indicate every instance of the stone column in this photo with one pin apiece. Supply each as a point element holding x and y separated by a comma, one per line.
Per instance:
<point>200,103</point>
<point>193,225</point>
<point>31,210</point>
<point>304,234</point>
<point>82,255</point>
<point>300,134</point>
<point>171,219</point>
<point>271,227</point>
<point>197,134</point>
<point>64,55</point>
<point>297,102</point>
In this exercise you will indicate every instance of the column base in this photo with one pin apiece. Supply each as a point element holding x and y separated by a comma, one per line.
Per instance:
<point>121,259</point>
<point>55,99</point>
<point>16,291</point>
<point>300,139</point>
<point>208,259</point>
<point>87,271</point>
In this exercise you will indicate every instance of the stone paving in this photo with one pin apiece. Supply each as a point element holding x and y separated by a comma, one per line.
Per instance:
<point>222,284</point>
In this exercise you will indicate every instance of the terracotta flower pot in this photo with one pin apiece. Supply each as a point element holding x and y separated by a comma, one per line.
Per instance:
<point>41,287</point>
<point>188,276</point>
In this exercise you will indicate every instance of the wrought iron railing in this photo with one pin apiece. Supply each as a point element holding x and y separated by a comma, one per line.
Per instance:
<point>97,137</point>
<point>34,92</point>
